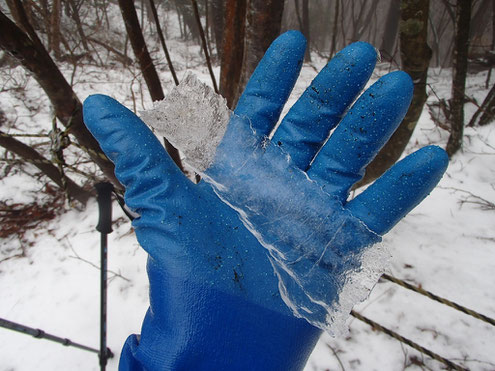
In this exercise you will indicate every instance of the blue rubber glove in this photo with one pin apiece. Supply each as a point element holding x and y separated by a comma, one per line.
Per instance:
<point>214,298</point>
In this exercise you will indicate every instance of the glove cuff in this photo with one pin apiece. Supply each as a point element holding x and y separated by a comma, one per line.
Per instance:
<point>224,332</point>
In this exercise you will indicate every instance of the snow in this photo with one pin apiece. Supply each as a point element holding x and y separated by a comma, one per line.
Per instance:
<point>56,289</point>
<point>445,245</point>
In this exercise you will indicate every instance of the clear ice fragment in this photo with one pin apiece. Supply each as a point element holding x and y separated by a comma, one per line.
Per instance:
<point>193,118</point>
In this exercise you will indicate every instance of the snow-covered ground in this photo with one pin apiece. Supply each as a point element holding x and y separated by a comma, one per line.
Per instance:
<point>446,245</point>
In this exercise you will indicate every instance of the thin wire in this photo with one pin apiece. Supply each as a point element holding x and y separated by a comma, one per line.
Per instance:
<point>439,299</point>
<point>409,342</point>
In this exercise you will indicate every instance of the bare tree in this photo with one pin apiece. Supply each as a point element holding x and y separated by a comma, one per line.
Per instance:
<point>415,55</point>
<point>461,45</point>
<point>204,44</point>
<point>32,156</point>
<point>486,110</point>
<point>263,22</point>
<point>363,21</point>
<point>389,38</point>
<point>162,41</point>
<point>250,28</point>
<point>304,25</point>
<point>55,28</point>
<point>188,22</point>
<point>333,46</point>
<point>145,62</point>
<point>28,50</point>
<point>232,49</point>
<point>480,19</point>
<point>22,21</point>
<point>74,12</point>
<point>217,10</point>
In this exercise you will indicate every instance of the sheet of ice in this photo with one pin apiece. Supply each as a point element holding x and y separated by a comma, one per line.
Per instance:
<point>193,118</point>
<point>320,253</point>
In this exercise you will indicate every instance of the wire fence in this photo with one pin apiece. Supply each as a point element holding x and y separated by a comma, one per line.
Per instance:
<point>376,326</point>
<point>439,299</point>
<point>412,344</point>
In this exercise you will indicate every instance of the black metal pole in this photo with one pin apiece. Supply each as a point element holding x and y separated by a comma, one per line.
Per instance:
<point>40,334</point>
<point>104,198</point>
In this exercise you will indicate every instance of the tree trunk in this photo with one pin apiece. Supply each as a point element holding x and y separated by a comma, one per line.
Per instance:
<point>204,44</point>
<point>488,114</point>
<point>32,17</point>
<point>47,168</point>
<point>217,10</point>
<point>207,26</point>
<point>45,12</point>
<point>162,41</point>
<point>140,50</point>
<point>480,19</point>
<point>390,31</point>
<point>75,16</point>
<point>179,20</point>
<point>305,29</point>
<point>67,106</point>
<point>364,21</point>
<point>188,21</point>
<point>492,46</point>
<point>356,20</point>
<point>335,29</point>
<point>415,55</point>
<point>298,15</point>
<point>55,28</point>
<point>147,67</point>
<point>20,17</point>
<point>232,49</point>
<point>263,23</point>
<point>461,45</point>
<point>486,110</point>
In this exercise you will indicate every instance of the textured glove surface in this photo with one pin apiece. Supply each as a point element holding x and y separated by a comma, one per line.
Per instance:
<point>214,298</point>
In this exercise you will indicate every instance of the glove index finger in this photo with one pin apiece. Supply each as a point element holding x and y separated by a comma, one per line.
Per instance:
<point>363,131</point>
<point>141,163</point>
<point>307,125</point>
<point>272,81</point>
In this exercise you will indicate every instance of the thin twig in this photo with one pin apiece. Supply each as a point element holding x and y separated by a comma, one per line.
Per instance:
<point>21,255</point>
<point>162,41</point>
<point>484,203</point>
<point>115,274</point>
<point>336,356</point>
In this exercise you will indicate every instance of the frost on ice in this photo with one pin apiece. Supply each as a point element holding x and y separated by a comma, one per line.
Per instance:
<point>320,253</point>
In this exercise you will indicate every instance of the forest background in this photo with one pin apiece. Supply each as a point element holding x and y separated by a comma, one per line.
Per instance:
<point>55,53</point>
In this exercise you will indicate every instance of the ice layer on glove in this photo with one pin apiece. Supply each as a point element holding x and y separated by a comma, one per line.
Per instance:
<point>322,255</point>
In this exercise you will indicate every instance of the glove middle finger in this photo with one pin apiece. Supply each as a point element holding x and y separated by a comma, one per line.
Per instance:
<point>320,108</point>
<point>362,133</point>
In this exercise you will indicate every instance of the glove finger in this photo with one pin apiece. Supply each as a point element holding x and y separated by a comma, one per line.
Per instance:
<point>141,163</point>
<point>272,81</point>
<point>384,203</point>
<point>308,123</point>
<point>362,132</point>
